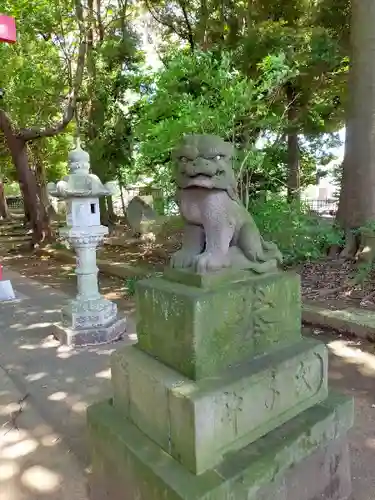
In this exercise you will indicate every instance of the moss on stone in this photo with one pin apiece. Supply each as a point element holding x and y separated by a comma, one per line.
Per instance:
<point>201,331</point>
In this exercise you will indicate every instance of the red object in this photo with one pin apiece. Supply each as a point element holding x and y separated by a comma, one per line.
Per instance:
<point>1,272</point>
<point>8,31</point>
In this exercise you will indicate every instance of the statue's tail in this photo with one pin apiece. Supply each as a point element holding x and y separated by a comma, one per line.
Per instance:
<point>255,248</point>
<point>271,251</point>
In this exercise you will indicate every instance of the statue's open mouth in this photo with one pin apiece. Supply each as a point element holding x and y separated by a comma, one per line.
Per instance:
<point>200,180</point>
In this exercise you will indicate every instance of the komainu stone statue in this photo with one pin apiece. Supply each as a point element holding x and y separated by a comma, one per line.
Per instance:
<point>219,231</point>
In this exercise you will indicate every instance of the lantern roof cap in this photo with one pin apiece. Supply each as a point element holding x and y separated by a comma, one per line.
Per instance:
<point>80,183</point>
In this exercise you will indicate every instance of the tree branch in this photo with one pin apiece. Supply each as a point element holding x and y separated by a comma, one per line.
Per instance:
<point>5,124</point>
<point>160,20</point>
<point>100,20</point>
<point>33,133</point>
<point>188,25</point>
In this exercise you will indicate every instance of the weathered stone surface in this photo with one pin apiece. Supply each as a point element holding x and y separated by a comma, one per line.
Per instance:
<point>200,332</point>
<point>219,231</point>
<point>140,215</point>
<point>127,465</point>
<point>199,422</point>
<point>324,475</point>
<point>207,280</point>
<point>90,336</point>
<point>141,390</point>
<point>92,313</point>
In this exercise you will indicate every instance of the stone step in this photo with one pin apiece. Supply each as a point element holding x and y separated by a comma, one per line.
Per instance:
<point>17,211</point>
<point>359,322</point>
<point>198,423</point>
<point>306,458</point>
<point>13,229</point>
<point>11,225</point>
<point>7,239</point>
<point>201,324</point>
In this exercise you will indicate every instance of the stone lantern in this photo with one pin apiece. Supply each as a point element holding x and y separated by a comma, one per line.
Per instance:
<point>88,319</point>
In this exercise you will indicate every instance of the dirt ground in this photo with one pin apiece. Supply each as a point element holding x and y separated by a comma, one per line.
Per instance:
<point>52,272</point>
<point>338,281</point>
<point>330,281</point>
<point>153,249</point>
<point>352,372</point>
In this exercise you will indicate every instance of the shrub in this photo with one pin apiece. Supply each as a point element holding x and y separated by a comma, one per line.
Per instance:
<point>300,234</point>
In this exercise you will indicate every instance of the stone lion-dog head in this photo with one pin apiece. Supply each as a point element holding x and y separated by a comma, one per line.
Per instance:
<point>205,161</point>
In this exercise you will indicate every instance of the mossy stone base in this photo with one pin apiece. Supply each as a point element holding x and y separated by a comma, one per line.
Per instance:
<point>199,330</point>
<point>305,459</point>
<point>209,280</point>
<point>198,423</point>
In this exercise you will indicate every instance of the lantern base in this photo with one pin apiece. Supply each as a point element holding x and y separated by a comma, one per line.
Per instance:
<point>90,336</point>
<point>84,314</point>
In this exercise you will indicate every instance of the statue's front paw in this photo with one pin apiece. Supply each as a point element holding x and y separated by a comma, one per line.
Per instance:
<point>182,259</point>
<point>210,261</point>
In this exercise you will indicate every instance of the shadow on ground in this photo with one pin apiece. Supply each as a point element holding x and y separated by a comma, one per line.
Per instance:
<point>34,461</point>
<point>54,382</point>
<point>352,371</point>
<point>43,444</point>
<point>60,276</point>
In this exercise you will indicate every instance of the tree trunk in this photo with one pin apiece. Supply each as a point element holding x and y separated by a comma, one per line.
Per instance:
<point>44,205</point>
<point>112,217</point>
<point>18,150</point>
<point>30,192</point>
<point>357,197</point>
<point>27,216</point>
<point>122,197</point>
<point>294,185</point>
<point>17,140</point>
<point>104,218</point>
<point>4,211</point>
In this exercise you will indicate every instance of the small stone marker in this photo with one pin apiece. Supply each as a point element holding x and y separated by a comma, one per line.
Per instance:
<point>141,216</point>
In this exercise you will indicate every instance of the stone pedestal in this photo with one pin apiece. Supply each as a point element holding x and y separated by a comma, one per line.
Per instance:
<point>88,319</point>
<point>221,398</point>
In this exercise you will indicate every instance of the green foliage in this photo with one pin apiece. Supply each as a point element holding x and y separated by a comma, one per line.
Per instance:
<point>36,74</point>
<point>312,35</point>
<point>205,93</point>
<point>230,79</point>
<point>201,93</point>
<point>53,153</point>
<point>12,189</point>
<point>33,72</point>
<point>113,56</point>
<point>300,235</point>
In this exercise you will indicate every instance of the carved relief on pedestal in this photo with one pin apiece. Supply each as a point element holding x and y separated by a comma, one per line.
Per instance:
<point>273,393</point>
<point>233,406</point>
<point>265,312</point>
<point>308,378</point>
